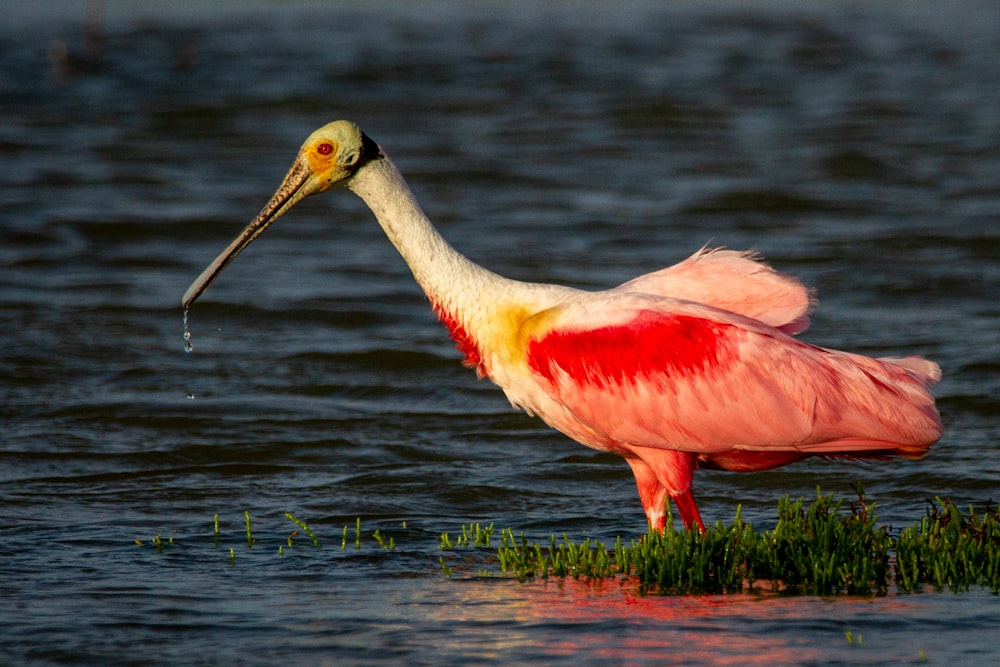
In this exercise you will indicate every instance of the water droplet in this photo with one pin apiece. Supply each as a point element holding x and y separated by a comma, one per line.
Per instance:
<point>188,347</point>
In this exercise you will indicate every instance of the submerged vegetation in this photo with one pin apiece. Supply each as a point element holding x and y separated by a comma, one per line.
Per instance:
<point>818,549</point>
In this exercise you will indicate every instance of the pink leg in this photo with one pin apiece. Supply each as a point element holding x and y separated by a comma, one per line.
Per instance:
<point>662,472</point>
<point>688,510</point>
<point>652,494</point>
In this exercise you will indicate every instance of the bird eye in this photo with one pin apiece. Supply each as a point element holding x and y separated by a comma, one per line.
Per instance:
<point>324,149</point>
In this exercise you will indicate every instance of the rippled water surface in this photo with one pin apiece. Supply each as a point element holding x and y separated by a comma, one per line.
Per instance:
<point>858,149</point>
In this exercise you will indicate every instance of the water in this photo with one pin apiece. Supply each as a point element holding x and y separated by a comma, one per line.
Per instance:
<point>855,147</point>
<point>188,345</point>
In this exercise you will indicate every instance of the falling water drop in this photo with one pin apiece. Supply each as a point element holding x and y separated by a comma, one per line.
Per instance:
<point>188,347</point>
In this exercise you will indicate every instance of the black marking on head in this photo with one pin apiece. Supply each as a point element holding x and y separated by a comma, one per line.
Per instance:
<point>369,150</point>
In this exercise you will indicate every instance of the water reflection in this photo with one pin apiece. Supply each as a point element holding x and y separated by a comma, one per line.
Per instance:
<point>601,622</point>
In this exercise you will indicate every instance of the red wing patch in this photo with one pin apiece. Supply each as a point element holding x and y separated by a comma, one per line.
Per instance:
<point>653,344</point>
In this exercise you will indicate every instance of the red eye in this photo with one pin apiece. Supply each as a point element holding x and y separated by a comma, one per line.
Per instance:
<point>324,149</point>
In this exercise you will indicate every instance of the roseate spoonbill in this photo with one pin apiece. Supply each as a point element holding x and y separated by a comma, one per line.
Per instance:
<point>690,366</point>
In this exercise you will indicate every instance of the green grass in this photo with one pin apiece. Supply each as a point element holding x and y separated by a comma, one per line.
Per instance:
<point>950,549</point>
<point>305,529</point>
<point>817,548</point>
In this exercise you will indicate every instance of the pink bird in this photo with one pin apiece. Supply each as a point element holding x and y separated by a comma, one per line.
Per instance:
<point>690,366</point>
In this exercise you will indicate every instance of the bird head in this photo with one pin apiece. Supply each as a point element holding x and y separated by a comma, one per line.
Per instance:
<point>328,159</point>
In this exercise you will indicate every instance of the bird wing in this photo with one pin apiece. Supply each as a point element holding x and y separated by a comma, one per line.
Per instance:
<point>735,281</point>
<point>658,372</point>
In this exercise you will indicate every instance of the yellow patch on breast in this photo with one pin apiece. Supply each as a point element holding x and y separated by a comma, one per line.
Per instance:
<point>518,325</point>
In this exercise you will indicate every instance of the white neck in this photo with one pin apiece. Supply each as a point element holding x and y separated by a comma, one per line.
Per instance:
<point>473,302</point>
<point>428,255</point>
<point>450,280</point>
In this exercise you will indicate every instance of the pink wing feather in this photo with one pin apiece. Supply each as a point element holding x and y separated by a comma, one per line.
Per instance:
<point>671,374</point>
<point>735,281</point>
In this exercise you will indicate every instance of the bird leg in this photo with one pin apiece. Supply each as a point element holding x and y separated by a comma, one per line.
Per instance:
<point>652,494</point>
<point>663,472</point>
<point>688,510</point>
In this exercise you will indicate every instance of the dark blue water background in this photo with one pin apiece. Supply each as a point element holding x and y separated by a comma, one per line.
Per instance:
<point>857,148</point>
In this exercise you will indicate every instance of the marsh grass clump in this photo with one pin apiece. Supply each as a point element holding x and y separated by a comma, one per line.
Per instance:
<point>950,549</point>
<point>815,549</point>
<point>685,562</point>
<point>821,550</point>
<point>472,535</point>
<point>382,541</point>
<point>302,524</point>
<point>559,559</point>
<point>251,535</point>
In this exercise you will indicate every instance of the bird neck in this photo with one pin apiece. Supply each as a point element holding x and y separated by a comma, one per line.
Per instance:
<point>443,272</point>
<point>466,297</point>
<point>483,311</point>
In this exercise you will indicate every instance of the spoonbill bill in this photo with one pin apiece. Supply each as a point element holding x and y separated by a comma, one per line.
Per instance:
<point>694,365</point>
